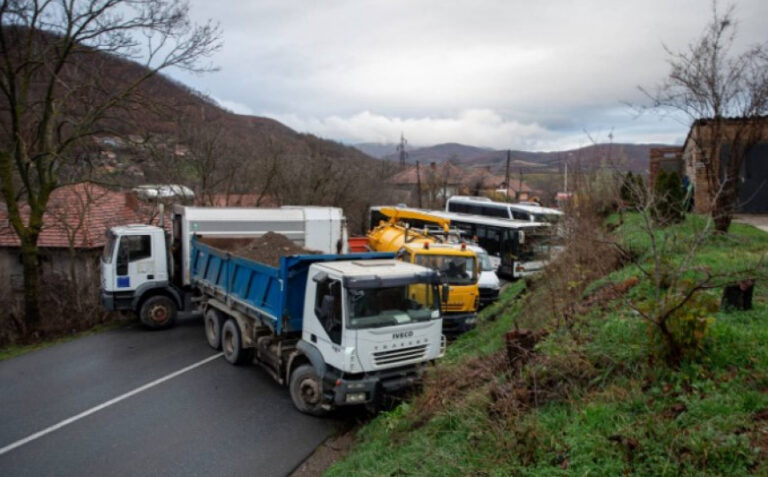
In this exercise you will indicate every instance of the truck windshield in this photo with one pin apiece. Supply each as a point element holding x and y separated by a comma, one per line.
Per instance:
<point>377,307</point>
<point>109,247</point>
<point>485,262</point>
<point>457,270</point>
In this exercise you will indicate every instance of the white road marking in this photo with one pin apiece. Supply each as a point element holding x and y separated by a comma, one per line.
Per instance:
<point>106,404</point>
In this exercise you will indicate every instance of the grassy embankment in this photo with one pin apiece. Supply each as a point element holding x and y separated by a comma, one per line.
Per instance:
<point>595,399</point>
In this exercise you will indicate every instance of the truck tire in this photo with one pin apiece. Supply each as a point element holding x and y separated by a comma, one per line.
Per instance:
<point>232,343</point>
<point>307,390</point>
<point>158,312</point>
<point>212,322</point>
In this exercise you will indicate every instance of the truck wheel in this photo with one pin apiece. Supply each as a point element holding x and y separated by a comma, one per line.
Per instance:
<point>232,343</point>
<point>307,390</point>
<point>212,321</point>
<point>158,312</point>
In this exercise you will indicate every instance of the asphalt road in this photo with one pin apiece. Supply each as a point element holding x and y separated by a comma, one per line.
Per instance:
<point>213,419</point>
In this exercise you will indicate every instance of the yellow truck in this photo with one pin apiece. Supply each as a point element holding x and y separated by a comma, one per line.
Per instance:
<point>458,266</point>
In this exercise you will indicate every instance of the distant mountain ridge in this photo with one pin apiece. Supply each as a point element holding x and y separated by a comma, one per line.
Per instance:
<point>629,157</point>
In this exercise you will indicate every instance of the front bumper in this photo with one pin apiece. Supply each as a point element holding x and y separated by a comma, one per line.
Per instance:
<point>116,301</point>
<point>456,324</point>
<point>488,296</point>
<point>369,387</point>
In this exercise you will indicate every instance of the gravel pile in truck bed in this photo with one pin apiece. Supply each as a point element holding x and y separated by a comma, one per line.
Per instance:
<point>266,249</point>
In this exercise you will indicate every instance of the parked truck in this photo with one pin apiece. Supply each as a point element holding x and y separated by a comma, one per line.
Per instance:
<point>336,329</point>
<point>458,266</point>
<point>146,269</point>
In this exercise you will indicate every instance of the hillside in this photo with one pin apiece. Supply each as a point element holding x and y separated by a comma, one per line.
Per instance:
<point>591,392</point>
<point>633,157</point>
<point>164,132</point>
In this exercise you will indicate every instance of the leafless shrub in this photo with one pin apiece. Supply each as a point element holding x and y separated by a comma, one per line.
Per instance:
<point>587,255</point>
<point>678,313</point>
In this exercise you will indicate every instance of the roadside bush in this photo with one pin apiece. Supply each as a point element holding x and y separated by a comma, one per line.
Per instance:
<point>668,199</point>
<point>679,328</point>
<point>632,191</point>
<point>68,305</point>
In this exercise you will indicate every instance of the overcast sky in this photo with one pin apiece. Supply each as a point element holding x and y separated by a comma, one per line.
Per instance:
<point>504,74</point>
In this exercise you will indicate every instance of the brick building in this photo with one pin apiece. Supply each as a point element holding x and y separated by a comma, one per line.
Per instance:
<point>705,159</point>
<point>668,159</point>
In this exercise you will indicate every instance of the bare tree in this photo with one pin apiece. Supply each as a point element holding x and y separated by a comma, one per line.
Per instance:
<point>55,94</point>
<point>724,94</point>
<point>70,215</point>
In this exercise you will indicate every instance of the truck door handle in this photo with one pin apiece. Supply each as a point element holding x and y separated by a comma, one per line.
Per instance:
<point>150,277</point>
<point>313,338</point>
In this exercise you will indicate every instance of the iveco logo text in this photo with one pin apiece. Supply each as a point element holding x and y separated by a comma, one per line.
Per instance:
<point>402,334</point>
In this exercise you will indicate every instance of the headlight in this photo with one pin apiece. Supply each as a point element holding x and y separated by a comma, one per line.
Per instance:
<point>355,397</point>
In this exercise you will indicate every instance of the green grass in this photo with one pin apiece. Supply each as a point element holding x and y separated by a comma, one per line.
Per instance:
<point>618,408</point>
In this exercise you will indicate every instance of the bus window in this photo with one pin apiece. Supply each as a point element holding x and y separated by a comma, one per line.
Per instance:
<point>492,211</point>
<point>493,238</point>
<point>508,247</point>
<point>516,214</point>
<point>474,209</point>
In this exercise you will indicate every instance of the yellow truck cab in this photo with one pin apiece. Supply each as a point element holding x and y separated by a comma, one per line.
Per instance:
<point>458,267</point>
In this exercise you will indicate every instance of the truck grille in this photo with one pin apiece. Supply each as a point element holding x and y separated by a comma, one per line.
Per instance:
<point>397,355</point>
<point>452,306</point>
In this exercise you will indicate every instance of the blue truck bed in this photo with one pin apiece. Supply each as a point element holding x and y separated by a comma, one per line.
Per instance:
<point>275,295</point>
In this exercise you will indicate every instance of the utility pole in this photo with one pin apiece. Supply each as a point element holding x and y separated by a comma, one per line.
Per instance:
<point>565,186</point>
<point>418,182</point>
<point>519,185</point>
<point>506,177</point>
<point>401,151</point>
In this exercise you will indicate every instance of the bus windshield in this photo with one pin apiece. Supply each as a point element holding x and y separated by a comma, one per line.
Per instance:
<point>485,262</point>
<point>457,270</point>
<point>539,247</point>
<point>387,306</point>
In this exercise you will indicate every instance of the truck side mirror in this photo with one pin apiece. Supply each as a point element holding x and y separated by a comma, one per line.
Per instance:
<point>445,293</point>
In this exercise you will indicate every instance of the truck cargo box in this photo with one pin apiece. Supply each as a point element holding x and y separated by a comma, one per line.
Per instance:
<point>273,295</point>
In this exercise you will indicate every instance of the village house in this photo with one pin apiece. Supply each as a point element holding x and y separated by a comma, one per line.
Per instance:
<point>703,158</point>
<point>437,182</point>
<point>428,186</point>
<point>518,191</point>
<point>667,159</point>
<point>74,231</point>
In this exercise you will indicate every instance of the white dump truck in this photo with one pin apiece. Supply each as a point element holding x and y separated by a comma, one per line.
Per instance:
<point>147,270</point>
<point>337,329</point>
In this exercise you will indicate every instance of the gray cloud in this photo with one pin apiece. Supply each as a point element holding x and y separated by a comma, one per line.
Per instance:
<point>488,73</point>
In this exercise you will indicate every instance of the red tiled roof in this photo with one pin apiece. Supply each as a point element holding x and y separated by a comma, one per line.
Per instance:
<point>79,215</point>
<point>240,200</point>
<point>517,186</point>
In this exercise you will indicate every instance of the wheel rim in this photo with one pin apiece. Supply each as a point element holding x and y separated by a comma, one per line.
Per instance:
<point>158,313</point>
<point>210,329</point>
<point>309,390</point>
<point>228,343</point>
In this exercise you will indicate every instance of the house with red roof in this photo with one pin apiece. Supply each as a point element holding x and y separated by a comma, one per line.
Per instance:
<point>436,182</point>
<point>74,231</point>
